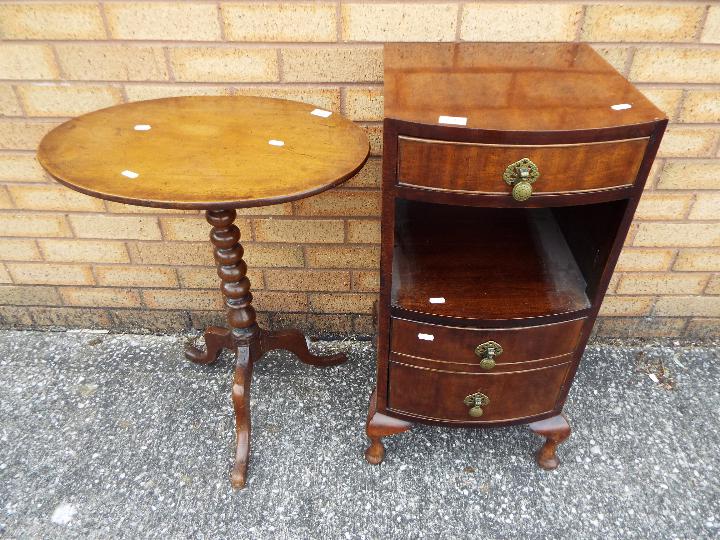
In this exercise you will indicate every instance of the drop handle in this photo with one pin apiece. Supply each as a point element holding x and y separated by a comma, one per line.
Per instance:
<point>520,175</point>
<point>488,352</point>
<point>476,402</point>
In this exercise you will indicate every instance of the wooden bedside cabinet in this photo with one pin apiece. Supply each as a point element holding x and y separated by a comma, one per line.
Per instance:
<point>511,173</point>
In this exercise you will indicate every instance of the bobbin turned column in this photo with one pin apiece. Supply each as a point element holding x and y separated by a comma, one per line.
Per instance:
<point>235,287</point>
<point>244,335</point>
<point>232,271</point>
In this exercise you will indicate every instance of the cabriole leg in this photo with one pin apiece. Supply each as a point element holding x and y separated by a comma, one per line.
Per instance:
<point>216,339</point>
<point>294,341</point>
<point>378,426</point>
<point>246,356</point>
<point>555,430</point>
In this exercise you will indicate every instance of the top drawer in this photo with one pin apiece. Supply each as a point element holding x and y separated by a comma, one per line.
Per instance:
<point>479,168</point>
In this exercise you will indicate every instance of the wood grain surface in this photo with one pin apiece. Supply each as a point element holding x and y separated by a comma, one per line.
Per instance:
<point>451,344</point>
<point>207,152</point>
<point>479,168</point>
<point>439,395</point>
<point>510,87</point>
<point>484,263</point>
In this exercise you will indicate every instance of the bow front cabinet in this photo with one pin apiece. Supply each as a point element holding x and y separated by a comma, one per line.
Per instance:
<point>511,173</point>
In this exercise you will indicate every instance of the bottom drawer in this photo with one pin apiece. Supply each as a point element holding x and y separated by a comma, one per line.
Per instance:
<point>440,395</point>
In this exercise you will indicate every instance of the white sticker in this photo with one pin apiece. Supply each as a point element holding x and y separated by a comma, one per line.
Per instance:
<point>142,127</point>
<point>63,514</point>
<point>275,142</point>
<point>621,106</point>
<point>426,337</point>
<point>130,174</point>
<point>454,120</point>
<point>322,113</point>
<point>437,300</point>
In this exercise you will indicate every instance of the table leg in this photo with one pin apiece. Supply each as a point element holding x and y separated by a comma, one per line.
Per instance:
<point>294,341</point>
<point>246,356</point>
<point>216,339</point>
<point>244,335</point>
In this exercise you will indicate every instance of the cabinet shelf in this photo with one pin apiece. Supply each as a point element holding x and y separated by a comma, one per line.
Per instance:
<point>483,263</point>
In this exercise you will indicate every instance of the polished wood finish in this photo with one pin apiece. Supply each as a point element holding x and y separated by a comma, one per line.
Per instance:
<point>519,257</point>
<point>243,335</point>
<point>215,154</point>
<point>250,347</point>
<point>434,394</point>
<point>378,426</point>
<point>232,270</point>
<point>530,275</point>
<point>504,200</point>
<point>555,430</point>
<point>204,152</point>
<point>510,87</point>
<point>216,339</point>
<point>453,344</point>
<point>479,168</point>
<point>462,367</point>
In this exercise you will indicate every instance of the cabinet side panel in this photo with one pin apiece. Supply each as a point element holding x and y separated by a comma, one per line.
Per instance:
<point>389,174</point>
<point>607,271</point>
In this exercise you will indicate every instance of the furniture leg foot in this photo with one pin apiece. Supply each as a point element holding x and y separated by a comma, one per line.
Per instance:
<point>294,341</point>
<point>216,339</point>
<point>378,426</point>
<point>375,453</point>
<point>246,356</point>
<point>555,430</point>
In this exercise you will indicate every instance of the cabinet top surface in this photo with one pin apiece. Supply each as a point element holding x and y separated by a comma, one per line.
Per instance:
<point>510,87</point>
<point>204,152</point>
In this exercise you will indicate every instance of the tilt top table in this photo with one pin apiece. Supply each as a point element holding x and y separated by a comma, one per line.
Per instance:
<point>214,154</point>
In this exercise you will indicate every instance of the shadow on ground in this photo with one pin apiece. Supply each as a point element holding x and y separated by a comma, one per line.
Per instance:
<point>116,436</point>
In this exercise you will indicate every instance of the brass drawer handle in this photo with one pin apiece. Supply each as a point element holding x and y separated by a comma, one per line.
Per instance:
<point>520,175</point>
<point>488,352</point>
<point>476,402</point>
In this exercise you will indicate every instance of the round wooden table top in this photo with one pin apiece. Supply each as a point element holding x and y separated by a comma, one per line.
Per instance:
<point>205,152</point>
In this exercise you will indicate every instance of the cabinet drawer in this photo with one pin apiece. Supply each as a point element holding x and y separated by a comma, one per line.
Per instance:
<point>458,367</point>
<point>479,168</point>
<point>440,395</point>
<point>457,345</point>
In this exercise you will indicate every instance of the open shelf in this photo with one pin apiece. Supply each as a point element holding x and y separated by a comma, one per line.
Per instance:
<point>483,263</point>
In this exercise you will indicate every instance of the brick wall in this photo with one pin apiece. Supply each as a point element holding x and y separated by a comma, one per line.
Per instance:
<point>73,261</point>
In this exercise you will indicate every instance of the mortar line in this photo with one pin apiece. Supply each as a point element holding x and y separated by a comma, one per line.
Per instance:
<point>251,44</point>
<point>338,21</point>
<point>168,64</point>
<point>56,57</point>
<point>629,62</point>
<point>103,16</point>
<point>581,23</point>
<point>458,20</point>
<point>221,21</point>
<point>701,24</point>
<point>680,106</point>
<point>20,102</point>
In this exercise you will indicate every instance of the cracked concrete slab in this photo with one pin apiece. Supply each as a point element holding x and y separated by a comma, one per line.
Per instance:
<point>117,436</point>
